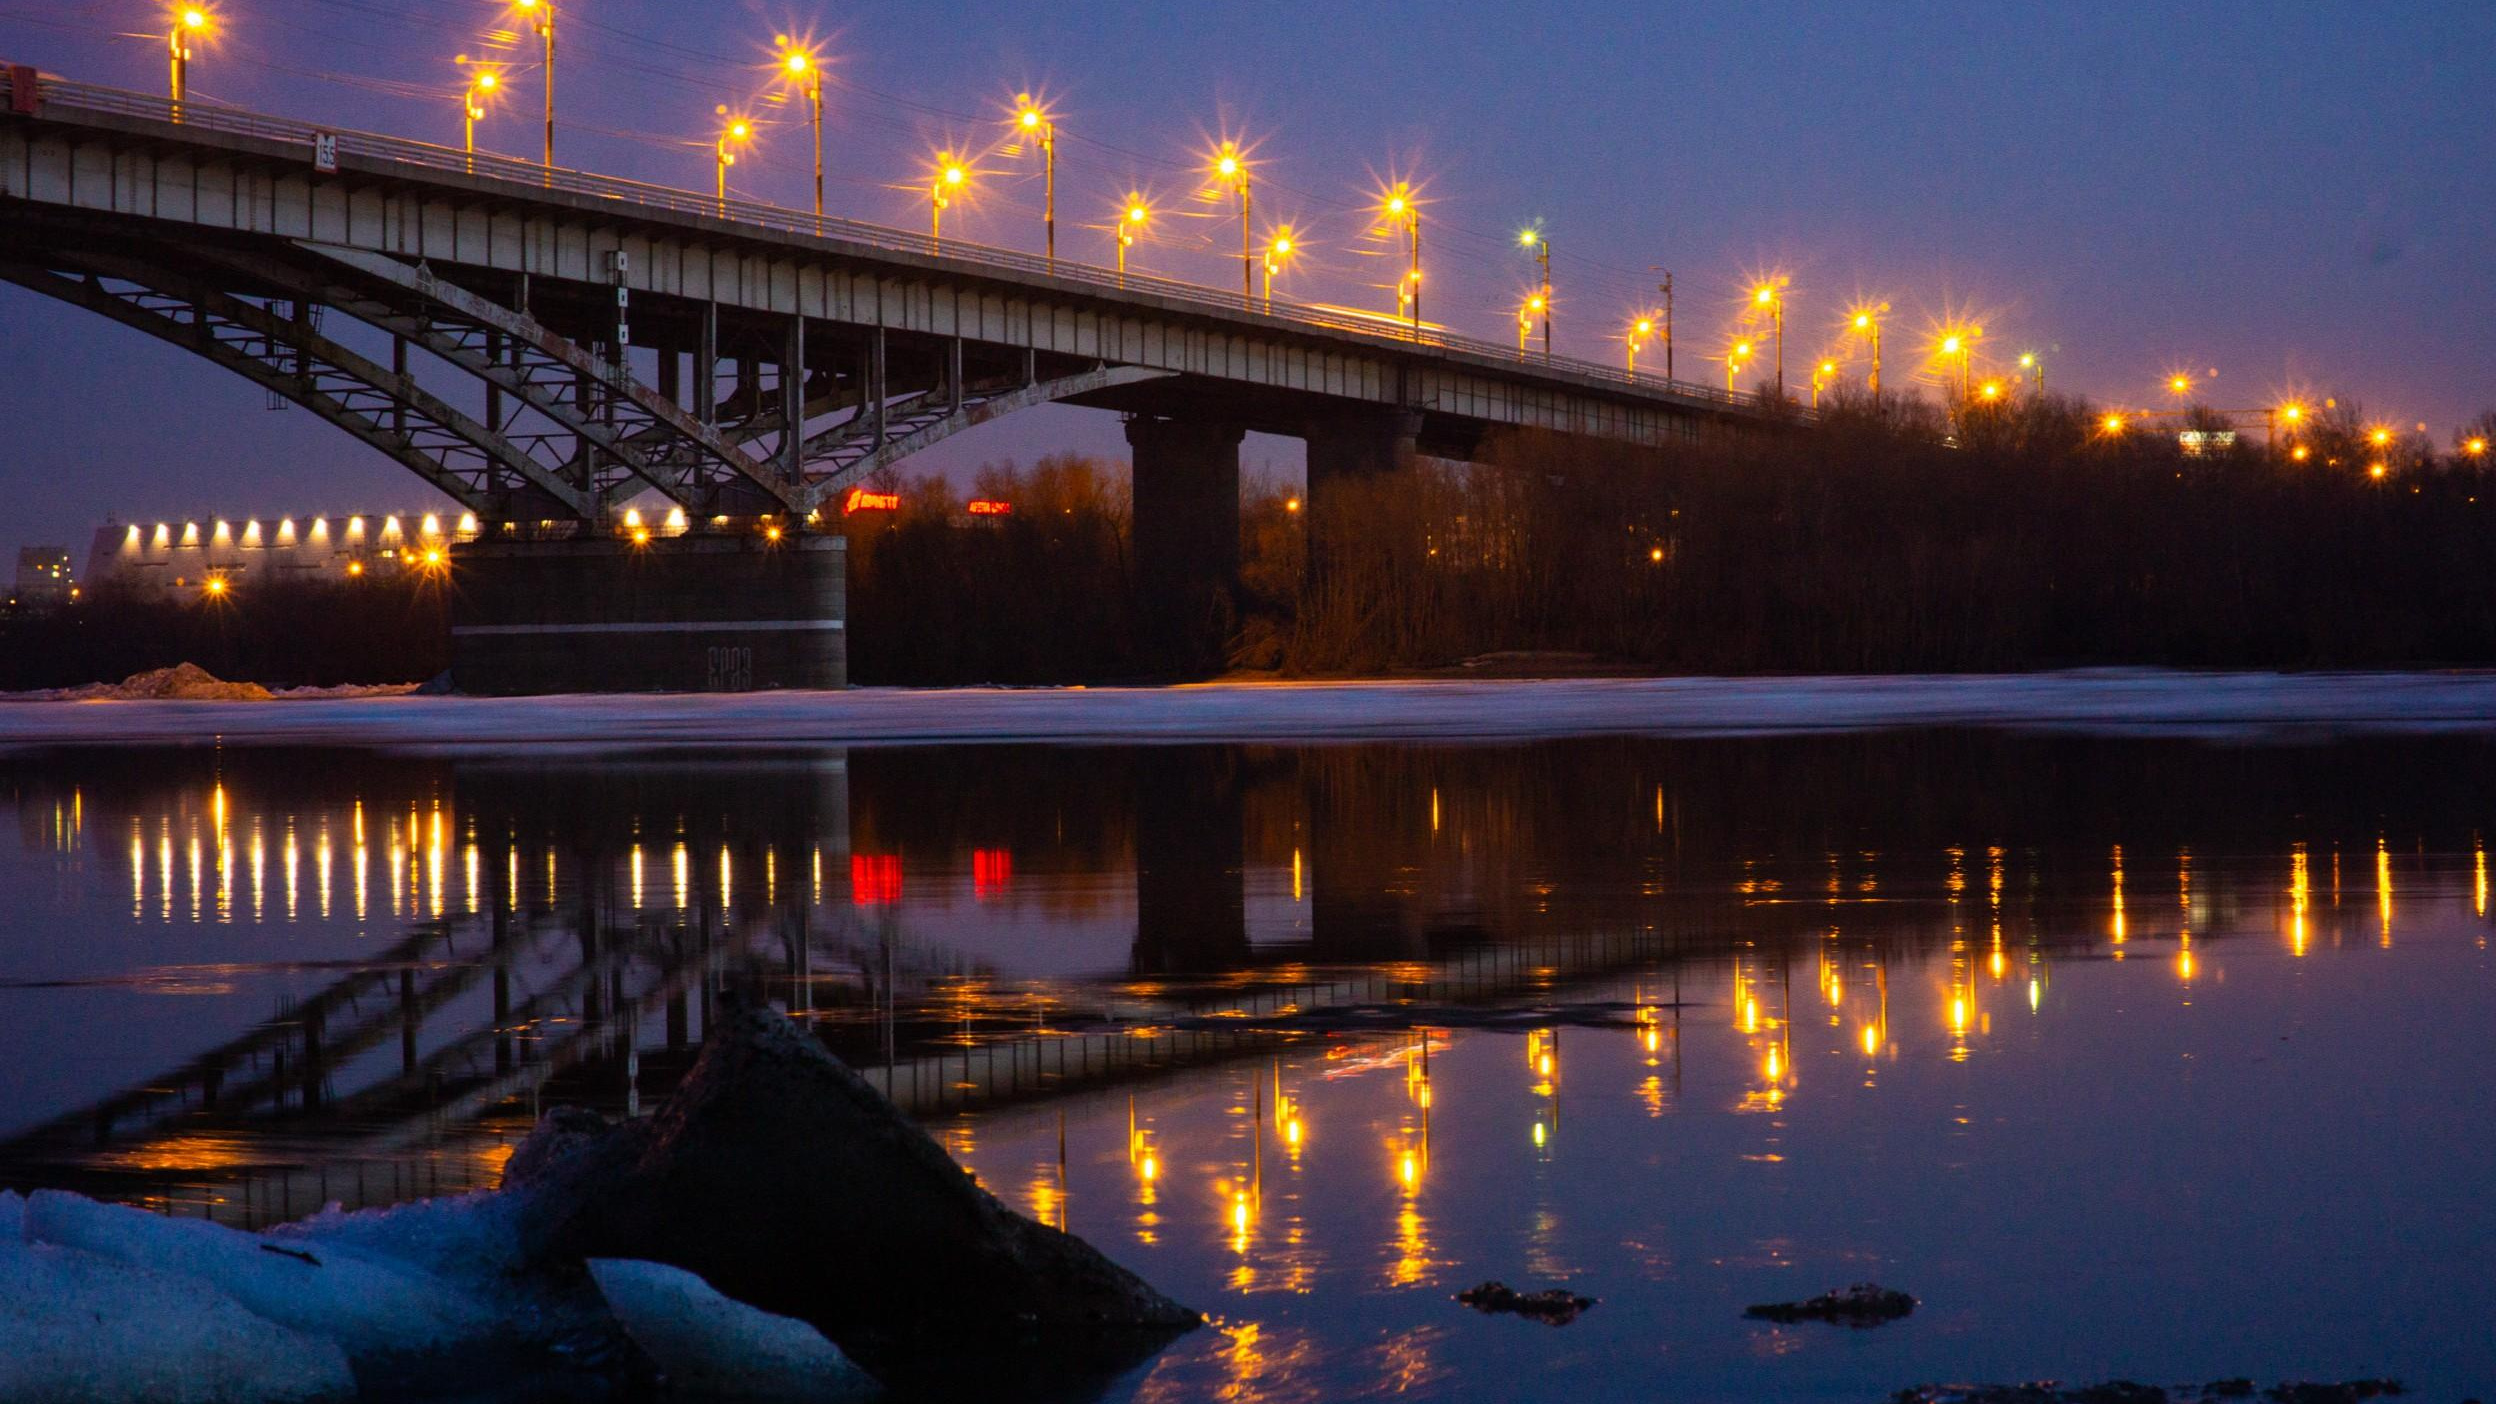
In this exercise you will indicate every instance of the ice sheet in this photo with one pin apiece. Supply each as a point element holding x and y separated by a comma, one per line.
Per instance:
<point>2092,700</point>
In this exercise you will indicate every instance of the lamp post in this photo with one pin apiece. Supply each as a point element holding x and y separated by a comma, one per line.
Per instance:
<point>1278,247</point>
<point>1639,330</point>
<point>1540,243</point>
<point>805,70</point>
<point>951,178</point>
<point>1034,122</point>
<point>1771,295</point>
<point>736,132</point>
<point>1230,167</point>
<point>1733,364</point>
<point>472,110</point>
<point>1868,322</point>
<point>1132,219</point>
<point>1535,305</point>
<point>2034,364</point>
<point>1403,214</point>
<point>1821,375</point>
<point>189,22</point>
<point>542,14</point>
<point>1961,344</point>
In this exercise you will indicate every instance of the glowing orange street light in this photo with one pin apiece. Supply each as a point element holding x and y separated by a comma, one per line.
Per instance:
<point>2179,386</point>
<point>1821,375</point>
<point>1991,390</point>
<point>2379,436</point>
<point>1868,323</point>
<point>189,22</point>
<point>950,179</point>
<point>736,132</point>
<point>2112,424</point>
<point>1535,239</point>
<point>1535,305</point>
<point>2034,364</point>
<point>481,85</point>
<point>1733,363</point>
<point>1771,295</point>
<point>1278,251</point>
<point>1230,168</point>
<point>1961,343</point>
<point>1403,214</point>
<point>1035,123</point>
<point>1640,329</point>
<point>541,14</point>
<point>800,66</point>
<point>2474,447</point>
<point>1132,219</point>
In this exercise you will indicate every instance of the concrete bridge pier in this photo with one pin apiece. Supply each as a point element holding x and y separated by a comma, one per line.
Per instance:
<point>1186,534</point>
<point>696,613</point>
<point>1345,451</point>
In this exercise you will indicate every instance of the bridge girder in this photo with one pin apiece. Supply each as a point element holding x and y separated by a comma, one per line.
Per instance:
<point>461,457</point>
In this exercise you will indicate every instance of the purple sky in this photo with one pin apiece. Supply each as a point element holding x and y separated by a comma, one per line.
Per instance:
<point>2301,196</point>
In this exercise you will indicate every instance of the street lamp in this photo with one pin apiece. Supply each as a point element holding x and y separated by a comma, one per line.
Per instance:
<point>1132,219</point>
<point>1868,322</point>
<point>1640,329</point>
<point>1961,343</point>
<point>1540,243</point>
<point>1278,249</point>
<point>2180,386</point>
<point>1821,375</point>
<point>1771,295</point>
<point>1230,168</point>
<point>735,132</point>
<point>802,68</point>
<point>189,23</point>
<point>1733,363</point>
<point>950,179</point>
<point>1034,122</point>
<point>1403,214</point>
<point>2474,447</point>
<point>542,15</point>
<point>1535,305</point>
<point>481,85</point>
<point>2034,364</point>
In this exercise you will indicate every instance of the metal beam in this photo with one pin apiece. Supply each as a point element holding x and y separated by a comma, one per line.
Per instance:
<point>396,419</point>
<point>920,432</point>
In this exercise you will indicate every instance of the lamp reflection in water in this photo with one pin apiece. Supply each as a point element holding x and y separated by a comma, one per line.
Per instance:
<point>2383,889</point>
<point>2300,897</point>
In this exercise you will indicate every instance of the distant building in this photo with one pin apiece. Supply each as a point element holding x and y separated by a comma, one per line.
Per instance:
<point>153,560</point>
<point>44,579</point>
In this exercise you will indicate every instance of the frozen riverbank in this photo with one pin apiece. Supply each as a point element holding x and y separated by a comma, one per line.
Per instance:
<point>2113,700</point>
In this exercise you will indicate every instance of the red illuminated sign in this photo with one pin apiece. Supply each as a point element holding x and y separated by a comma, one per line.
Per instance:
<point>984,508</point>
<point>874,879</point>
<point>861,500</point>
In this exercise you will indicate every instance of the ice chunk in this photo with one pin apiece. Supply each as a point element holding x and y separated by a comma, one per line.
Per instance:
<point>366,1302</point>
<point>715,1347</point>
<point>78,1327</point>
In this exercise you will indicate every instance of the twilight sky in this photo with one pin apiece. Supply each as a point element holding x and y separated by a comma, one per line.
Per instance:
<point>2300,195</point>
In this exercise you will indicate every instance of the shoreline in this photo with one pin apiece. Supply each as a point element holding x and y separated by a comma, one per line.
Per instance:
<point>2107,701</point>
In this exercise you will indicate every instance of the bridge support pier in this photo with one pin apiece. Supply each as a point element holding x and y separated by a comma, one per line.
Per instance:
<point>675,614</point>
<point>1186,534</point>
<point>1344,452</point>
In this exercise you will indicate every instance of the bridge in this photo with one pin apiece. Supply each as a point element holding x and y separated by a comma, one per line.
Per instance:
<point>545,346</point>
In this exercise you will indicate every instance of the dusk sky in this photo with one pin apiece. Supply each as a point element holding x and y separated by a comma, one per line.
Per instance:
<point>2301,196</point>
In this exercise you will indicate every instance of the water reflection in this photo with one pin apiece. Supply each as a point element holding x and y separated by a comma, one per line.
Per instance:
<point>1286,1024</point>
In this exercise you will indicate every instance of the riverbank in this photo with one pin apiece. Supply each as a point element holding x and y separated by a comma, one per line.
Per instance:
<point>2098,700</point>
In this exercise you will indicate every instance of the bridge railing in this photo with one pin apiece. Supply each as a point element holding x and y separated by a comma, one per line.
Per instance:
<point>372,146</point>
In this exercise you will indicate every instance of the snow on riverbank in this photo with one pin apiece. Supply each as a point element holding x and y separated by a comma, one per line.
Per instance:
<point>2094,700</point>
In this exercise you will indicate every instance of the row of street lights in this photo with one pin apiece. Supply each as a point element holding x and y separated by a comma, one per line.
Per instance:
<point>1398,214</point>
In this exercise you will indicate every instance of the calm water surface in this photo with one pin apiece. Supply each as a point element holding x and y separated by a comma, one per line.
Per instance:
<point>2148,1058</point>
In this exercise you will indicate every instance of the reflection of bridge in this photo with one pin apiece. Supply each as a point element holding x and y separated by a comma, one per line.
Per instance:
<point>544,345</point>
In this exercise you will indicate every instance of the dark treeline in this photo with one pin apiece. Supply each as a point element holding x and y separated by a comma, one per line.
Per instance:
<point>295,635</point>
<point>2040,538</point>
<point>1884,538</point>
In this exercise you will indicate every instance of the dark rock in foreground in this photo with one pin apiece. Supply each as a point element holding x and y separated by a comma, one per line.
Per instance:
<point>1552,1307</point>
<point>1864,1305</point>
<point>786,1182</point>
<point>2126,1392</point>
